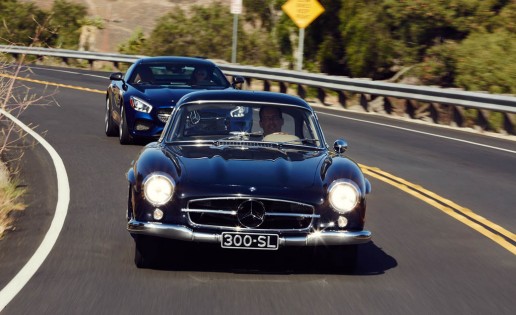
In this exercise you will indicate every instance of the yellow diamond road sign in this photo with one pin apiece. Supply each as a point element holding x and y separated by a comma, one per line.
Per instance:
<point>303,12</point>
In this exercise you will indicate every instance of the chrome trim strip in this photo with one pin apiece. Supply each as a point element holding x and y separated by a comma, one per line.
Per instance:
<point>254,198</point>
<point>269,214</point>
<point>285,214</point>
<point>227,212</point>
<point>183,233</point>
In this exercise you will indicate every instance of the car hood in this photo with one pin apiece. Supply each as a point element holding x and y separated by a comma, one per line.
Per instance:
<point>249,167</point>
<point>161,96</point>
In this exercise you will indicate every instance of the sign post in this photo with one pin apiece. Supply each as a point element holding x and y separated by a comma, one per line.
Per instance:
<point>302,12</point>
<point>236,9</point>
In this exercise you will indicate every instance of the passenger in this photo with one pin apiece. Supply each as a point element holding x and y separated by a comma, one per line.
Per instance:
<point>200,77</point>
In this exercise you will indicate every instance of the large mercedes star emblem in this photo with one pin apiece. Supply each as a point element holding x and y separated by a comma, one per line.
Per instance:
<point>251,213</point>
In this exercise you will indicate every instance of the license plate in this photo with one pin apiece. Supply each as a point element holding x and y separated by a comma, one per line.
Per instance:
<point>249,241</point>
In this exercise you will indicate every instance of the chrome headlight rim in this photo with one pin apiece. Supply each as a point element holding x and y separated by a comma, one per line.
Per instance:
<point>163,178</point>
<point>351,187</point>
<point>140,105</point>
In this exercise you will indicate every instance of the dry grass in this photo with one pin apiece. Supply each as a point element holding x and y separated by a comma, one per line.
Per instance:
<point>15,97</point>
<point>10,196</point>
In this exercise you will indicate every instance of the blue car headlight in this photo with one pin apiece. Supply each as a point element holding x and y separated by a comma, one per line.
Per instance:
<point>158,188</point>
<point>343,196</point>
<point>140,105</point>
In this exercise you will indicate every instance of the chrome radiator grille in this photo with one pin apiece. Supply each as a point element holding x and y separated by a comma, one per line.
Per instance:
<point>163,114</point>
<point>261,214</point>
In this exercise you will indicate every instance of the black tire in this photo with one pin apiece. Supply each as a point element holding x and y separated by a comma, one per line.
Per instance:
<point>123,129</point>
<point>110,126</point>
<point>342,259</point>
<point>129,214</point>
<point>146,252</point>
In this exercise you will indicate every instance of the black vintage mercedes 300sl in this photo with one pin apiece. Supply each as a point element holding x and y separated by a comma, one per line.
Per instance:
<point>246,170</point>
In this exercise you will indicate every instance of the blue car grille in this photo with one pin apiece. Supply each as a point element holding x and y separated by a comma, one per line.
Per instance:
<point>223,213</point>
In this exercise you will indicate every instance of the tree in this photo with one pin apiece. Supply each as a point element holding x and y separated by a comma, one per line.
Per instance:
<point>66,21</point>
<point>487,62</point>
<point>22,23</point>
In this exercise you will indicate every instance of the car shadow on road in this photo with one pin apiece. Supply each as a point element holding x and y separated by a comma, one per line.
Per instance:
<point>372,260</point>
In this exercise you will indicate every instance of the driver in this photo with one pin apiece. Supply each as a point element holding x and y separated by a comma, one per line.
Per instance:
<point>271,120</point>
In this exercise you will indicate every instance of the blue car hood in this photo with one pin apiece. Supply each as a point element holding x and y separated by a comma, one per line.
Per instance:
<point>160,96</point>
<point>250,167</point>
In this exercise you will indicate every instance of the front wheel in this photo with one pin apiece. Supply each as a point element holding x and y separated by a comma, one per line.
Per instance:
<point>110,126</point>
<point>342,259</point>
<point>146,251</point>
<point>124,136</point>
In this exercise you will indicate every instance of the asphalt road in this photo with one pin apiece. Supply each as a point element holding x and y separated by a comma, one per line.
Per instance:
<point>421,260</point>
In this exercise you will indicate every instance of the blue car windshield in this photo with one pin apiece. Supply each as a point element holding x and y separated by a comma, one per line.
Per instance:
<point>179,75</point>
<point>244,122</point>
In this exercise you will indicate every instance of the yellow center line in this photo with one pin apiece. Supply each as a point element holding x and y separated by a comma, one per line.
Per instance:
<point>462,214</point>
<point>53,84</point>
<point>446,206</point>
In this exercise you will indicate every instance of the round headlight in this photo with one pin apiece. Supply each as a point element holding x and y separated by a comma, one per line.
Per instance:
<point>158,189</point>
<point>343,196</point>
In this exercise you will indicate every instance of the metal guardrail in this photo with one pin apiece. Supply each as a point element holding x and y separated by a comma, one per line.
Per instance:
<point>505,104</point>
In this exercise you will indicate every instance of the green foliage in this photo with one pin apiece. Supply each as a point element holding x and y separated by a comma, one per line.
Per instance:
<point>208,32</point>
<point>438,65</point>
<point>487,62</point>
<point>22,23</point>
<point>455,43</point>
<point>25,24</point>
<point>135,44</point>
<point>67,20</point>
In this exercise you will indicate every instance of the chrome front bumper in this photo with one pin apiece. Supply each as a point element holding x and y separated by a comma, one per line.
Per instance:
<point>183,233</point>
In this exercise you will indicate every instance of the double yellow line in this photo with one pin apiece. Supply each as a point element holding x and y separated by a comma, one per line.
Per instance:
<point>52,84</point>
<point>501,236</point>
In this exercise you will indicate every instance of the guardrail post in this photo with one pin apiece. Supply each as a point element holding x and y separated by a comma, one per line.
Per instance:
<point>410,109</point>
<point>342,98</point>
<point>364,102</point>
<point>301,92</point>
<point>321,95</point>
<point>458,118</point>
<point>481,121</point>
<point>282,87</point>
<point>266,85</point>
<point>387,105</point>
<point>434,113</point>
<point>508,123</point>
<point>248,81</point>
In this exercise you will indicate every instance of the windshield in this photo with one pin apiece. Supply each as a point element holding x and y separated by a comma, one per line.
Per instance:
<point>224,122</point>
<point>179,75</point>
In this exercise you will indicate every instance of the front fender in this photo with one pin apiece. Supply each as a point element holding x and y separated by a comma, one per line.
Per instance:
<point>339,167</point>
<point>152,159</point>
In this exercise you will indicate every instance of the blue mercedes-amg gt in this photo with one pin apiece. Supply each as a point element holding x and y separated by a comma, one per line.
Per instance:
<point>139,103</point>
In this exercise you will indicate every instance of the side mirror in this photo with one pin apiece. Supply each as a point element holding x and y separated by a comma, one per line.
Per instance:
<point>117,76</point>
<point>340,146</point>
<point>237,80</point>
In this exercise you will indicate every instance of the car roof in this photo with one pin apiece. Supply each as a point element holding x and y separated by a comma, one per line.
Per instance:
<point>175,59</point>
<point>244,96</point>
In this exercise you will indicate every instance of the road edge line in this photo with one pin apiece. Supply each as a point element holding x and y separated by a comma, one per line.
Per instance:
<point>63,199</point>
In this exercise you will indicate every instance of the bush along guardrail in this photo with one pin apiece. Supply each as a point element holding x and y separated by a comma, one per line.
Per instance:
<point>483,111</point>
